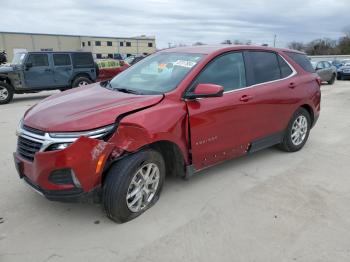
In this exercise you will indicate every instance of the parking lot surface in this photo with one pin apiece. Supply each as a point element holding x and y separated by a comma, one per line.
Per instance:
<point>269,206</point>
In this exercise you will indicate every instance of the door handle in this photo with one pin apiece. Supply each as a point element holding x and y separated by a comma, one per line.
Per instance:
<point>245,98</point>
<point>292,85</point>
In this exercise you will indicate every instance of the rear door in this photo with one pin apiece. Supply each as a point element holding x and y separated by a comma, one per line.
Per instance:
<point>62,69</point>
<point>276,89</point>
<point>40,74</point>
<point>328,70</point>
<point>321,71</point>
<point>221,127</point>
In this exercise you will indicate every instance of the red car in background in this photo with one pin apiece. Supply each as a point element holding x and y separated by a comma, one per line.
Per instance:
<point>109,68</point>
<point>177,112</point>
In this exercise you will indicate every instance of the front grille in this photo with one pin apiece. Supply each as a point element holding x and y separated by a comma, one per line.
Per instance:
<point>27,148</point>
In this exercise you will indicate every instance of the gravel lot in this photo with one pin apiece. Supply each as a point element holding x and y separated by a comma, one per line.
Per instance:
<point>270,206</point>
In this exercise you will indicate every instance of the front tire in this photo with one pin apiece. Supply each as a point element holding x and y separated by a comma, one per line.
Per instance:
<point>81,81</point>
<point>6,93</point>
<point>332,80</point>
<point>297,132</point>
<point>133,185</point>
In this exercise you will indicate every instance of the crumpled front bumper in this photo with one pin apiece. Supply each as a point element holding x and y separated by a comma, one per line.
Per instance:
<point>86,158</point>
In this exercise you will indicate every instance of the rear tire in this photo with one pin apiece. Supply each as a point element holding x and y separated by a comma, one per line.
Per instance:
<point>126,191</point>
<point>81,81</point>
<point>6,93</point>
<point>297,132</point>
<point>331,82</point>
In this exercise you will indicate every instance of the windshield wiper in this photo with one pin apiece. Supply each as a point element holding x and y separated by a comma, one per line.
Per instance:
<point>129,91</point>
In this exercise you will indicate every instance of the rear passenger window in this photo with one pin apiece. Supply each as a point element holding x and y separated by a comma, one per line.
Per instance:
<point>265,66</point>
<point>38,60</point>
<point>61,59</point>
<point>227,70</point>
<point>285,69</point>
<point>82,60</point>
<point>302,60</point>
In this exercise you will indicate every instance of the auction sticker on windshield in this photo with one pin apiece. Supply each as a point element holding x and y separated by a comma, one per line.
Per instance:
<point>185,63</point>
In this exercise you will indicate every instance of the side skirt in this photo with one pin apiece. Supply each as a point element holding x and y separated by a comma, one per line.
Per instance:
<point>266,142</point>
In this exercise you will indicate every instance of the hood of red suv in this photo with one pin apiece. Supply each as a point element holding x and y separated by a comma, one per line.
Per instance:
<point>84,108</point>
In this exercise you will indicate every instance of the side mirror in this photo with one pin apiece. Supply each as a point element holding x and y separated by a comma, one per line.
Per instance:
<point>28,65</point>
<point>206,90</point>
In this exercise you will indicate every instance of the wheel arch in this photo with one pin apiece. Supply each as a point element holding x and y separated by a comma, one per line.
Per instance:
<point>175,164</point>
<point>80,75</point>
<point>309,109</point>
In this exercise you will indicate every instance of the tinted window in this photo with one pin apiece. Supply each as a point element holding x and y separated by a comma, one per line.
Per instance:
<point>97,43</point>
<point>128,43</point>
<point>82,60</point>
<point>150,44</point>
<point>302,60</point>
<point>38,59</point>
<point>265,66</point>
<point>109,43</point>
<point>121,43</point>
<point>61,59</point>
<point>227,70</point>
<point>285,69</point>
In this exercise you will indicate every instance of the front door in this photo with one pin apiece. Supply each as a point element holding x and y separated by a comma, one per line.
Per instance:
<point>62,69</point>
<point>38,73</point>
<point>220,127</point>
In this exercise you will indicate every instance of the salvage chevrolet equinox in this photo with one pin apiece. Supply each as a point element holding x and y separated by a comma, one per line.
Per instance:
<point>176,112</point>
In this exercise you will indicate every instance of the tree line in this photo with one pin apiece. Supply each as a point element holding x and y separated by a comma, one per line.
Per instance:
<point>324,46</point>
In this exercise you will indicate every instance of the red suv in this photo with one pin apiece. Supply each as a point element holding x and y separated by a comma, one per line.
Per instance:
<point>175,112</point>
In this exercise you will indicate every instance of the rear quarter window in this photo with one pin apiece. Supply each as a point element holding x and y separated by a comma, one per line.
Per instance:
<point>83,60</point>
<point>302,60</point>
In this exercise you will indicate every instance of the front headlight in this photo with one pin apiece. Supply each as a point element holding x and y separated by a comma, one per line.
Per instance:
<point>59,146</point>
<point>62,140</point>
<point>96,133</point>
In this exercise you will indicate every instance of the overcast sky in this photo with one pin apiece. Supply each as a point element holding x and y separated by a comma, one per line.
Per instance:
<point>181,21</point>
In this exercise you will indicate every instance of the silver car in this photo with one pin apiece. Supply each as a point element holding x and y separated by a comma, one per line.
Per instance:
<point>326,71</point>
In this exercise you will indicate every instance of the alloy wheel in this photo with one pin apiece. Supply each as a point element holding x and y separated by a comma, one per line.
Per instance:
<point>143,187</point>
<point>83,83</point>
<point>4,93</point>
<point>299,130</point>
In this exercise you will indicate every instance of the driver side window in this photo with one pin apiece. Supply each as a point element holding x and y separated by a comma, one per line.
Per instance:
<point>38,60</point>
<point>227,70</point>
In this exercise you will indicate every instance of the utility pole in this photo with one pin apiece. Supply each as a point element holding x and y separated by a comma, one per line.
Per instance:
<point>274,40</point>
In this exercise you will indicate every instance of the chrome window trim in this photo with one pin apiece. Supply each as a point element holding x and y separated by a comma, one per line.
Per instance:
<point>294,72</point>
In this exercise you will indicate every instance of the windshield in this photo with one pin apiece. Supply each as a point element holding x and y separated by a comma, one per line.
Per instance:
<point>156,74</point>
<point>18,58</point>
<point>313,64</point>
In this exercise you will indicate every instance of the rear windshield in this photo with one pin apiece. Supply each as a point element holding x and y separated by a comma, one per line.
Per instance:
<point>302,60</point>
<point>83,60</point>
